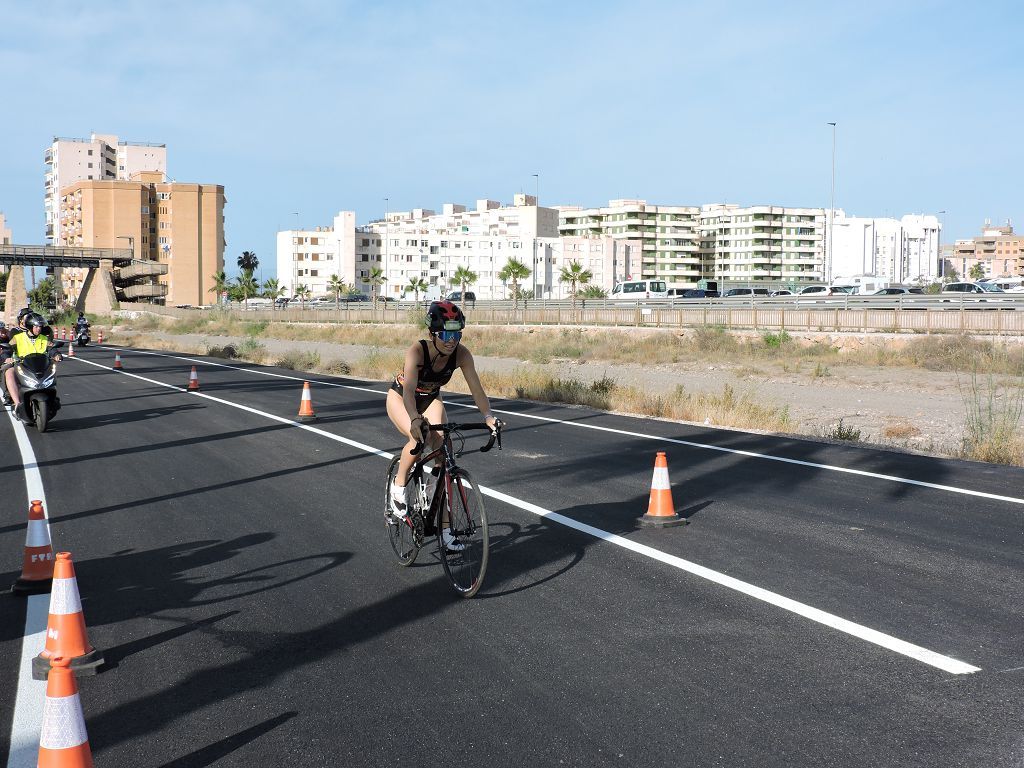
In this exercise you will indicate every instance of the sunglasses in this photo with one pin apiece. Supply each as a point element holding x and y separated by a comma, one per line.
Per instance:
<point>447,336</point>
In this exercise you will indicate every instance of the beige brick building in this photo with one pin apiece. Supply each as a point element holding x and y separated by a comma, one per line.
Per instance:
<point>999,251</point>
<point>176,231</point>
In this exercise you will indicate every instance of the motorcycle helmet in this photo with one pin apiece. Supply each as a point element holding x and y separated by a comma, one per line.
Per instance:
<point>445,316</point>
<point>35,321</point>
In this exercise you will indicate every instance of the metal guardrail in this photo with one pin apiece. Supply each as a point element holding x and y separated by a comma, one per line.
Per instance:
<point>961,316</point>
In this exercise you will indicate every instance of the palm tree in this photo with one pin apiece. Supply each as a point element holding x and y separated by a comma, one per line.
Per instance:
<point>248,262</point>
<point>593,292</point>
<point>575,275</point>
<point>514,271</point>
<point>416,284</point>
<point>247,286</point>
<point>464,276</point>
<point>303,291</point>
<point>376,280</point>
<point>220,284</point>
<point>273,290</point>
<point>337,286</point>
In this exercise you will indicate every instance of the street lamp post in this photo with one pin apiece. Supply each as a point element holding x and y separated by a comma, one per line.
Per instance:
<point>831,212</point>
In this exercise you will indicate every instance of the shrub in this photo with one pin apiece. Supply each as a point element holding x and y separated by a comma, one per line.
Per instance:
<point>776,340</point>
<point>300,361</point>
<point>843,432</point>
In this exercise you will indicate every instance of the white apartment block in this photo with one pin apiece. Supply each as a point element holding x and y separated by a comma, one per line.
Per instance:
<point>5,231</point>
<point>904,250</point>
<point>427,245</point>
<point>100,157</point>
<point>640,240</point>
<point>763,243</point>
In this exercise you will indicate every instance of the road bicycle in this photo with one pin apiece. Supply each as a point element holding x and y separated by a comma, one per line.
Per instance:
<point>456,505</point>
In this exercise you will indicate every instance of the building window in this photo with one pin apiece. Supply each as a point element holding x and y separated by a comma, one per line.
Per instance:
<point>313,272</point>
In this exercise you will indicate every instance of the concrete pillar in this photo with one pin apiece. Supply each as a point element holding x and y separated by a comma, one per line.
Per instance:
<point>17,296</point>
<point>98,295</point>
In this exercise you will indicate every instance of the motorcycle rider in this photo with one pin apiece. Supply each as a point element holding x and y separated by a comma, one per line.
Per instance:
<point>5,357</point>
<point>81,325</point>
<point>31,341</point>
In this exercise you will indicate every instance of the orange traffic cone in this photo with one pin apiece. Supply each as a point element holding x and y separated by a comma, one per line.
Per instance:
<point>71,349</point>
<point>65,629</point>
<point>117,361</point>
<point>63,741</point>
<point>661,510</point>
<point>101,337</point>
<point>306,404</point>
<point>193,381</point>
<point>37,565</point>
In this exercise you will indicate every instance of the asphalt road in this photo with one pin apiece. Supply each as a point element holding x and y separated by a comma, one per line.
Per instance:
<point>236,572</point>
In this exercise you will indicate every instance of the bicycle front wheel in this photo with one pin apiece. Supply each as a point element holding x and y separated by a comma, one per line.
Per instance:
<point>465,561</point>
<point>400,532</point>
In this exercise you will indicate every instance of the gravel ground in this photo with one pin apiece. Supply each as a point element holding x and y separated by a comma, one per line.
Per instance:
<point>904,408</point>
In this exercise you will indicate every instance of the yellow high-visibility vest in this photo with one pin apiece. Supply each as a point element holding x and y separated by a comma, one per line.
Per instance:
<point>26,345</point>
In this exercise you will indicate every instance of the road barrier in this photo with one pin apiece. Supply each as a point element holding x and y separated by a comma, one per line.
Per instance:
<point>306,413</point>
<point>927,314</point>
<point>661,509</point>
<point>37,563</point>
<point>63,741</point>
<point>66,637</point>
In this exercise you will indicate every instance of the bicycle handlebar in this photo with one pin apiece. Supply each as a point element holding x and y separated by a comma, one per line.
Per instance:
<point>457,427</point>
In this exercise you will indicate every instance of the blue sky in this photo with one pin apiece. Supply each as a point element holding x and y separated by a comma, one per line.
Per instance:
<point>315,107</point>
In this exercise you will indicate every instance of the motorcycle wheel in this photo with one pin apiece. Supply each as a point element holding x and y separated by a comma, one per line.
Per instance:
<point>41,411</point>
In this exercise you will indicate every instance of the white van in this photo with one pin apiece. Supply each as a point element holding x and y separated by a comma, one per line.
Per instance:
<point>640,289</point>
<point>862,285</point>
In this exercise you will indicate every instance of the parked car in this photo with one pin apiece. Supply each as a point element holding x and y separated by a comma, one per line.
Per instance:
<point>355,297</point>
<point>897,290</point>
<point>782,292</point>
<point>457,296</point>
<point>815,290</point>
<point>687,293</point>
<point>745,292</point>
<point>282,301</point>
<point>972,288</point>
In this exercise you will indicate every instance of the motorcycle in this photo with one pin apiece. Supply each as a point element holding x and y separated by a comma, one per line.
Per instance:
<point>36,376</point>
<point>82,337</point>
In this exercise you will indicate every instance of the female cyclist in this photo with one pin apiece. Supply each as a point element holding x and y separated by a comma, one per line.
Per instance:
<point>414,399</point>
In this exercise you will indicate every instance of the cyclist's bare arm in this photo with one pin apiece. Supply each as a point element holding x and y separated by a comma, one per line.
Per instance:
<point>468,367</point>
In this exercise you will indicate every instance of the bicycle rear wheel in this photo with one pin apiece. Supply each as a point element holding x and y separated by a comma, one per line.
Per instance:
<point>467,521</point>
<point>400,532</point>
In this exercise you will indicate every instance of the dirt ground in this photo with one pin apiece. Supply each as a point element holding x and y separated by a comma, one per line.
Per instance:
<point>900,407</point>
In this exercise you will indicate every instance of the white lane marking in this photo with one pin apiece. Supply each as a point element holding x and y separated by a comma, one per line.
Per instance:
<point>31,695</point>
<point>627,433</point>
<point>945,663</point>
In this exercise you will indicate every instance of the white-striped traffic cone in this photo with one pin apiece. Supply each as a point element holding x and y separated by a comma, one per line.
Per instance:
<point>63,741</point>
<point>37,564</point>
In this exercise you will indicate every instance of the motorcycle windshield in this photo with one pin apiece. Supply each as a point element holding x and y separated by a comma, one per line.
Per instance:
<point>37,364</point>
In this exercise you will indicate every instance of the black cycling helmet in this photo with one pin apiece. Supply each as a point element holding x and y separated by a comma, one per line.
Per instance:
<point>445,316</point>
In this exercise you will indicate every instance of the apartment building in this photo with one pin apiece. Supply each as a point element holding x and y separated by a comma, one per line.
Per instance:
<point>424,244</point>
<point>98,158</point>
<point>762,243</point>
<point>5,231</point>
<point>311,257</point>
<point>175,231</point>
<point>900,250</point>
<point>999,251</point>
<point>646,241</point>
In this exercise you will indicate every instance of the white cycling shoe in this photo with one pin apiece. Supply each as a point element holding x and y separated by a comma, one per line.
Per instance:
<point>451,541</point>
<point>399,502</point>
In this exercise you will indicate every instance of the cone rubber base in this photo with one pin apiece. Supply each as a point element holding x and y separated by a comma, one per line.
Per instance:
<point>31,586</point>
<point>662,521</point>
<point>88,664</point>
<point>307,419</point>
